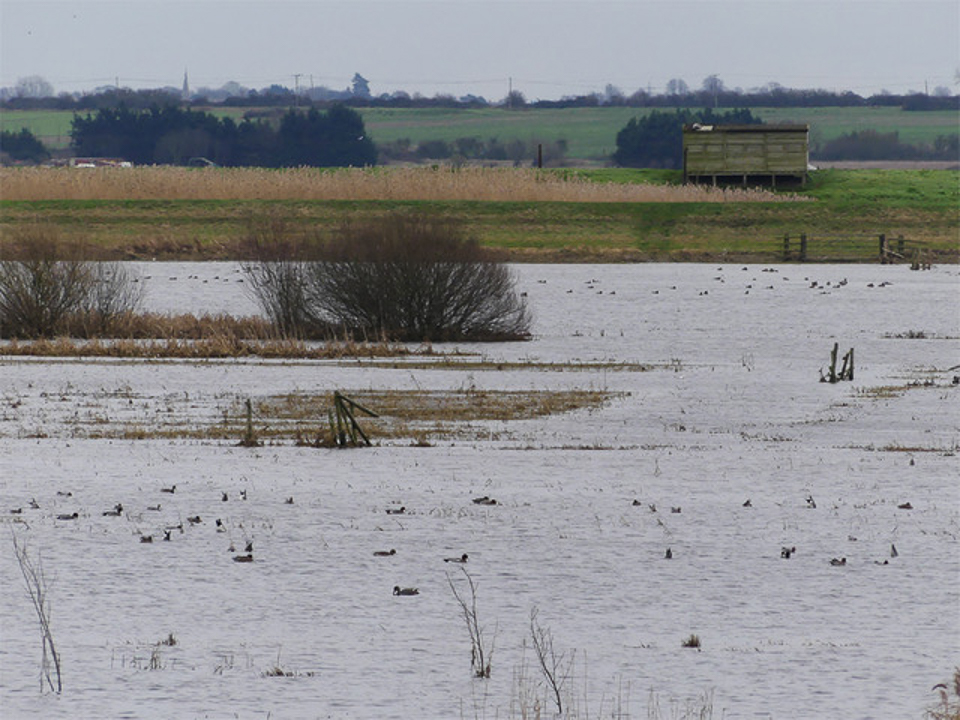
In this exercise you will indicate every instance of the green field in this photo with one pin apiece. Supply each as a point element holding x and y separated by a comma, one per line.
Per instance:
<point>590,132</point>
<point>848,211</point>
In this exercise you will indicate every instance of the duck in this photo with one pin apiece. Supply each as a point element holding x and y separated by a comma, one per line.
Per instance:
<point>71,516</point>
<point>397,590</point>
<point>836,562</point>
<point>146,538</point>
<point>243,558</point>
<point>786,552</point>
<point>172,489</point>
<point>747,503</point>
<point>243,494</point>
<point>154,508</point>
<point>116,512</point>
<point>668,555</point>
<point>288,501</point>
<point>384,553</point>
<point>675,510</point>
<point>34,504</point>
<point>61,493</point>
<point>811,502</point>
<point>905,506</point>
<point>249,547</point>
<point>485,500</point>
<point>224,497</point>
<point>397,511</point>
<point>195,520</point>
<point>16,511</point>
<point>166,535</point>
<point>637,503</point>
<point>462,559</point>
<point>653,507</point>
<point>220,526</point>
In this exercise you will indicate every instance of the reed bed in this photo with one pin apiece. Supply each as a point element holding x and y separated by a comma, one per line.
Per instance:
<point>399,184</point>
<point>207,349</point>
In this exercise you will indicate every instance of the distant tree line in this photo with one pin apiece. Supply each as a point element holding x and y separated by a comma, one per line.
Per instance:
<point>34,92</point>
<point>173,135</point>
<point>656,140</point>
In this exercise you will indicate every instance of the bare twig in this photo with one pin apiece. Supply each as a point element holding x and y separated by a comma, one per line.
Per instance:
<point>36,583</point>
<point>555,670</point>
<point>481,653</point>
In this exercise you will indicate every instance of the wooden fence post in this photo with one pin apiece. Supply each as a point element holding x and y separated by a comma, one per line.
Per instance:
<point>786,248</point>
<point>883,248</point>
<point>803,247</point>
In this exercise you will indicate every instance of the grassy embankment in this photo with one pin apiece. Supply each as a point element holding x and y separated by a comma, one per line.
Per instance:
<point>589,215</point>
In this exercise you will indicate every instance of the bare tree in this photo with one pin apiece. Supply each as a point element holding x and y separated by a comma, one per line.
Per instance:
<point>36,583</point>
<point>481,649</point>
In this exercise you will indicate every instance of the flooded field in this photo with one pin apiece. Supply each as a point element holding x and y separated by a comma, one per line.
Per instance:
<point>701,428</point>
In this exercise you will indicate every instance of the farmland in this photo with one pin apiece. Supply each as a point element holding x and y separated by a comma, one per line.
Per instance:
<point>590,133</point>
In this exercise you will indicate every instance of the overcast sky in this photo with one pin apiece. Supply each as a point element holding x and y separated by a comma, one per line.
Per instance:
<point>548,48</point>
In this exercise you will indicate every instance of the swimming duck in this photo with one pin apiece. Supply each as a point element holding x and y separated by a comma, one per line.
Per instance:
<point>384,553</point>
<point>166,535</point>
<point>396,511</point>
<point>810,501</point>
<point>249,547</point>
<point>116,512</point>
<point>243,494</point>
<point>154,508</point>
<point>668,555</point>
<point>243,558</point>
<point>485,500</point>
<point>224,497</point>
<point>786,552</point>
<point>675,510</point>
<point>838,561</point>
<point>288,501</point>
<point>637,503</point>
<point>16,511</point>
<point>905,506</point>
<point>71,516</point>
<point>747,503</point>
<point>146,538</point>
<point>172,489</point>
<point>220,526</point>
<point>34,504</point>
<point>462,559</point>
<point>397,590</point>
<point>195,520</point>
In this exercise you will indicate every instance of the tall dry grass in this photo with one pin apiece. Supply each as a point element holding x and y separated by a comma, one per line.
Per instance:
<point>421,183</point>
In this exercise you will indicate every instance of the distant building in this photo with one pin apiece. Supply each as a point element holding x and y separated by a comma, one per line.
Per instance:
<point>744,153</point>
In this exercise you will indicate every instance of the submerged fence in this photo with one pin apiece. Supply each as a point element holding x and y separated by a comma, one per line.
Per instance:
<point>854,248</point>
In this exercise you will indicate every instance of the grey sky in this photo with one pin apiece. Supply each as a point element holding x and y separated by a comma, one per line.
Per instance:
<point>549,48</point>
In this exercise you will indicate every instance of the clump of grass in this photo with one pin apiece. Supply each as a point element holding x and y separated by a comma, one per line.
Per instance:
<point>691,642</point>
<point>948,707</point>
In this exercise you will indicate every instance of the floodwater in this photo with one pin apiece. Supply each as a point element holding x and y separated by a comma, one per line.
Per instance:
<point>728,409</point>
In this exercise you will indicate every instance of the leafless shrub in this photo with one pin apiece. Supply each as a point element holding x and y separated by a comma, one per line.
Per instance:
<point>36,583</point>
<point>417,278</point>
<point>481,646</point>
<point>52,287</point>
<point>275,269</point>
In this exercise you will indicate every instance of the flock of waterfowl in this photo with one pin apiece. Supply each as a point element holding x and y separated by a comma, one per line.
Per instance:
<point>461,560</point>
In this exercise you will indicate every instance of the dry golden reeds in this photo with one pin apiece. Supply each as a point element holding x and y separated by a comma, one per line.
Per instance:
<point>420,183</point>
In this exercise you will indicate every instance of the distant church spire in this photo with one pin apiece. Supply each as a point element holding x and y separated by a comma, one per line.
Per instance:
<point>185,93</point>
